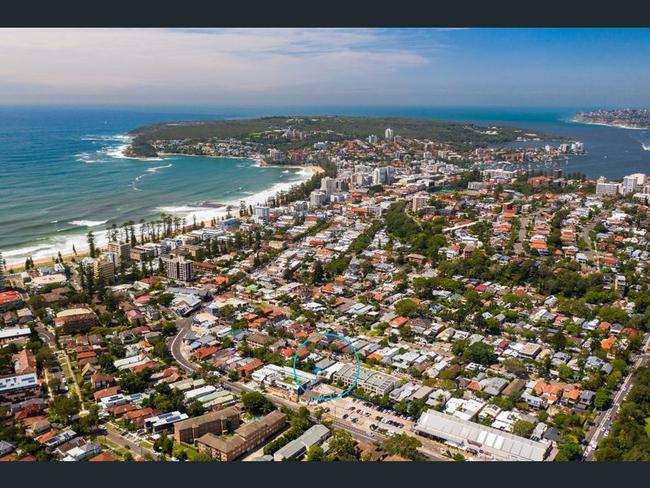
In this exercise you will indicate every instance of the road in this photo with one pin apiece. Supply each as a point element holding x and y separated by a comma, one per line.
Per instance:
<point>592,251</point>
<point>356,432</point>
<point>114,435</point>
<point>72,379</point>
<point>183,326</point>
<point>518,248</point>
<point>46,335</point>
<point>175,346</point>
<point>606,418</point>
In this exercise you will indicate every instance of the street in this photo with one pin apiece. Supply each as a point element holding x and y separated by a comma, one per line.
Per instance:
<point>113,434</point>
<point>183,327</point>
<point>605,419</point>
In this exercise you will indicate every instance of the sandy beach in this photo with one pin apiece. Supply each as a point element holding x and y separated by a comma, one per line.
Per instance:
<point>204,215</point>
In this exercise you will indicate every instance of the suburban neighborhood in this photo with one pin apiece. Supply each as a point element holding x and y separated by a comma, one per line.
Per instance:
<point>412,301</point>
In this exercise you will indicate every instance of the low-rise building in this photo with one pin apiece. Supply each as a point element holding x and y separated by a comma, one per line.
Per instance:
<point>371,381</point>
<point>76,320</point>
<point>477,438</point>
<point>218,422</point>
<point>296,448</point>
<point>244,438</point>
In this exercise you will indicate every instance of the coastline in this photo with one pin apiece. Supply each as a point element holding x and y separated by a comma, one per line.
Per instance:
<point>200,213</point>
<point>617,126</point>
<point>258,158</point>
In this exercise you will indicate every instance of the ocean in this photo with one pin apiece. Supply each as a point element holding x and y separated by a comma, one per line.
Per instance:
<point>63,171</point>
<point>63,174</point>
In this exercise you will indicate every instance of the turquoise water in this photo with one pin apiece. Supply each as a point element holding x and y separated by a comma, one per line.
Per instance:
<point>63,173</point>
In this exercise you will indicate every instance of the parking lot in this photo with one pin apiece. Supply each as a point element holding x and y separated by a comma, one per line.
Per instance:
<point>368,417</point>
<point>379,423</point>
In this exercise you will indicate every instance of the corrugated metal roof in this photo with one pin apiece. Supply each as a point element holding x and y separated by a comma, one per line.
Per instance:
<point>499,444</point>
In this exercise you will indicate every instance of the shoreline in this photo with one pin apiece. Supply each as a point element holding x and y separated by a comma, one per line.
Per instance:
<point>203,215</point>
<point>603,124</point>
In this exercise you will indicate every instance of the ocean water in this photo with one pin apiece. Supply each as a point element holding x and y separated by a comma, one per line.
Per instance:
<point>63,172</point>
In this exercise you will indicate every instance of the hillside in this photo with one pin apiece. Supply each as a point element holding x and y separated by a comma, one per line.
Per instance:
<point>320,127</point>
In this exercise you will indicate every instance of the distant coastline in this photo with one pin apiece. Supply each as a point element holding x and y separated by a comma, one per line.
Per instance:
<point>629,118</point>
<point>607,124</point>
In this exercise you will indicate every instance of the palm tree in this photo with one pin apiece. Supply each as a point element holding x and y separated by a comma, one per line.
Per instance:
<point>125,229</point>
<point>169,221</point>
<point>142,229</point>
<point>91,243</point>
<point>113,232</point>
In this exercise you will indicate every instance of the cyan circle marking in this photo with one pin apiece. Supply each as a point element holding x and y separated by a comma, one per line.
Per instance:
<point>324,398</point>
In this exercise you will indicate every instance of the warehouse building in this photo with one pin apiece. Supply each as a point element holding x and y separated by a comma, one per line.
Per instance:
<point>479,439</point>
<point>298,447</point>
<point>371,381</point>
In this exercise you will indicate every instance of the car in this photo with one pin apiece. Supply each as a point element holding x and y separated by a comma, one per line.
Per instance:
<point>345,416</point>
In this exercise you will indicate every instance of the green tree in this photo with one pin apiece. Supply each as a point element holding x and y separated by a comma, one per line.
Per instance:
<point>403,445</point>
<point>318,273</point>
<point>164,445</point>
<point>602,399</point>
<point>406,308</point>
<point>315,453</point>
<point>516,367</point>
<point>256,403</point>
<point>564,372</point>
<point>342,447</point>
<point>522,428</point>
<point>480,353</point>
<point>558,341</point>
<point>65,407</point>
<point>195,409</point>
<point>90,237</point>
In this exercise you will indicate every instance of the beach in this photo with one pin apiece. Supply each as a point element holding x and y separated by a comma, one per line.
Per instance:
<point>203,215</point>
<point>80,180</point>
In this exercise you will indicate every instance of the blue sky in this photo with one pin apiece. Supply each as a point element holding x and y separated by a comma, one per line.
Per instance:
<point>427,67</point>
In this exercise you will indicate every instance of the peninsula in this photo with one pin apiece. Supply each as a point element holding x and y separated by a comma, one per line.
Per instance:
<point>628,118</point>
<point>245,137</point>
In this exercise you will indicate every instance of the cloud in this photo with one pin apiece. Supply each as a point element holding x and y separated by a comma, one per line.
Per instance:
<point>151,66</point>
